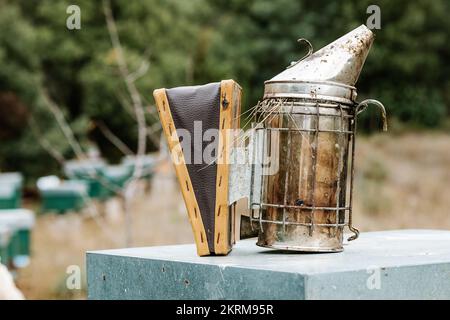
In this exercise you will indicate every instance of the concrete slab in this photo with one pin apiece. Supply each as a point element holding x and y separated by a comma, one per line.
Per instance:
<point>403,264</point>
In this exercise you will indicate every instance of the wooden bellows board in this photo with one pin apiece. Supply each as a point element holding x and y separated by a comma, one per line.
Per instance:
<point>187,116</point>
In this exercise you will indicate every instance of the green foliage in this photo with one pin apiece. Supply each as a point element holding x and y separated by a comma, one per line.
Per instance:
<point>199,41</point>
<point>406,68</point>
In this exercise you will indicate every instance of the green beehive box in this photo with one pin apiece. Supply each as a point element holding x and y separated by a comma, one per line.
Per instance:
<point>20,248</point>
<point>96,189</point>
<point>20,222</point>
<point>5,241</point>
<point>11,181</point>
<point>148,164</point>
<point>68,196</point>
<point>12,178</point>
<point>10,197</point>
<point>90,171</point>
<point>13,248</point>
<point>116,177</point>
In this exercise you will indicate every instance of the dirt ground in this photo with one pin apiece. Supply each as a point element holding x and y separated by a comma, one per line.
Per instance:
<point>401,182</point>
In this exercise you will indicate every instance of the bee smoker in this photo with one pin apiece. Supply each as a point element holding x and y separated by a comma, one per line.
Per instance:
<point>308,116</point>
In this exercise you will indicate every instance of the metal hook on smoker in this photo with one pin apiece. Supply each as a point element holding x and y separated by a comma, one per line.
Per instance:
<point>310,51</point>
<point>364,104</point>
<point>355,232</point>
<point>360,108</point>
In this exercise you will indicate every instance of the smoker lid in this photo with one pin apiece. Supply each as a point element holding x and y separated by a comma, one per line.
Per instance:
<point>328,73</point>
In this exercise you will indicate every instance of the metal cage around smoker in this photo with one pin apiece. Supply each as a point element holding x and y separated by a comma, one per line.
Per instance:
<point>293,215</point>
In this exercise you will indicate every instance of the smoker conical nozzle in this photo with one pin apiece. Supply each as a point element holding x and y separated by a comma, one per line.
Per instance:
<point>341,61</point>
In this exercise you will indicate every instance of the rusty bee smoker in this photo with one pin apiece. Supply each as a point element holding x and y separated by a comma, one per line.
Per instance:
<point>309,112</point>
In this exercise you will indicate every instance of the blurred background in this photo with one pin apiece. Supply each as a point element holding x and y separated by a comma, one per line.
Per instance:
<point>80,143</point>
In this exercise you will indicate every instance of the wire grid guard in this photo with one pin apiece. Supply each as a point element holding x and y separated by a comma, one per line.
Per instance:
<point>311,119</point>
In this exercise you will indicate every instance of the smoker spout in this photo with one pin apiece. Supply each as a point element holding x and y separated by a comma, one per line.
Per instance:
<point>341,61</point>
